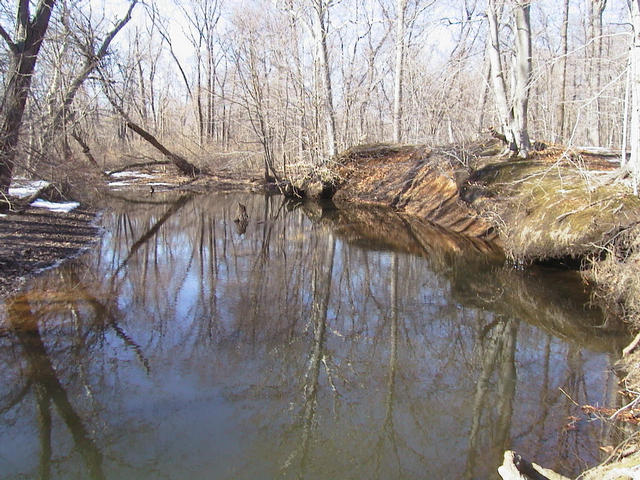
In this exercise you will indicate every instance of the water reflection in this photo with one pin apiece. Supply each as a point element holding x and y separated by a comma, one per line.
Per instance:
<point>308,344</point>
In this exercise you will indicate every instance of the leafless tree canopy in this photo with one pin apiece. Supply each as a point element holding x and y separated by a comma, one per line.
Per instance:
<point>283,86</point>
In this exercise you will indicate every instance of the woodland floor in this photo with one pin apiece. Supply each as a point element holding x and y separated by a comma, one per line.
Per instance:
<point>35,239</point>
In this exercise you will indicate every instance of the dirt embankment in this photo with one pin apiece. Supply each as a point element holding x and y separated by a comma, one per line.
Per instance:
<point>559,205</point>
<point>419,181</point>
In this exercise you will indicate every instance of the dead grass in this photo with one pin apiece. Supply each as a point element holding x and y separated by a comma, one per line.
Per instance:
<point>555,210</point>
<point>617,275</point>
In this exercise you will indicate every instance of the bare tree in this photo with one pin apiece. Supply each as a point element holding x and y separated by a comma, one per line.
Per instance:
<point>321,10</point>
<point>24,47</point>
<point>93,57</point>
<point>564,50</point>
<point>513,114</point>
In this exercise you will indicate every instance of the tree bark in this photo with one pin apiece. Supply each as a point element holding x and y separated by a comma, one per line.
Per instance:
<point>401,6</point>
<point>634,161</point>
<point>24,54</point>
<point>321,9</point>
<point>523,78</point>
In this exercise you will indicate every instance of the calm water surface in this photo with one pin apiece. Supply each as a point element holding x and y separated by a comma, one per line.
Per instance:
<point>317,344</point>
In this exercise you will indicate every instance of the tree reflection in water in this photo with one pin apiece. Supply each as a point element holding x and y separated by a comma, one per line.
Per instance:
<point>319,343</point>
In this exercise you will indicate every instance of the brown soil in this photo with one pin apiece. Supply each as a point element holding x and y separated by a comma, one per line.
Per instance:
<point>420,181</point>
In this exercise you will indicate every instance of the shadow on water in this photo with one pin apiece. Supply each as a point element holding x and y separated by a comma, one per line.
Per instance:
<point>310,343</point>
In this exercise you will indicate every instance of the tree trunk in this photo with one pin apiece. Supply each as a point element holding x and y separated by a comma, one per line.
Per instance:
<point>321,8</point>
<point>486,79</point>
<point>635,95</point>
<point>513,115</point>
<point>401,6</point>
<point>24,53</point>
<point>563,68</point>
<point>523,78</point>
<point>497,75</point>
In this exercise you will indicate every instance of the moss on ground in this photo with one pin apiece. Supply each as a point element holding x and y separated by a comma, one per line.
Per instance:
<point>554,210</point>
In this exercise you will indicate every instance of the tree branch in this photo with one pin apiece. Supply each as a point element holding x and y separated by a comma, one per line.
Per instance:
<point>91,63</point>
<point>110,36</point>
<point>7,38</point>
<point>41,18</point>
<point>22,16</point>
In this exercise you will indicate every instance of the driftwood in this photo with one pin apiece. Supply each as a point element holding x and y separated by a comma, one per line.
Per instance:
<point>515,467</point>
<point>632,346</point>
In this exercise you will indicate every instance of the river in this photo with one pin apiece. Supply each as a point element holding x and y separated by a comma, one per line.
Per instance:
<point>310,343</point>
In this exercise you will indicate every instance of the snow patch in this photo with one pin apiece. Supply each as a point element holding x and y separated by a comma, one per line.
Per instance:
<point>31,187</point>
<point>119,184</point>
<point>62,207</point>
<point>160,184</point>
<point>131,174</point>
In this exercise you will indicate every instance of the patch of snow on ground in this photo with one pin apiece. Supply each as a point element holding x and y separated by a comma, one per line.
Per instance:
<point>119,184</point>
<point>31,187</point>
<point>160,184</point>
<point>63,207</point>
<point>131,174</point>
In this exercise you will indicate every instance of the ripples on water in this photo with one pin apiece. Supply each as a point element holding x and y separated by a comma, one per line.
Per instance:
<point>317,344</point>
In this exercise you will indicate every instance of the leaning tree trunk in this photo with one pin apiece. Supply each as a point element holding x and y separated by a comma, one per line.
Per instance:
<point>183,165</point>
<point>24,53</point>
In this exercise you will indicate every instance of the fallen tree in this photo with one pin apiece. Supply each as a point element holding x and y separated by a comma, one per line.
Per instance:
<point>185,167</point>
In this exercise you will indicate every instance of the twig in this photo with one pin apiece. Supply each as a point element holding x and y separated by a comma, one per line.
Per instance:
<point>629,405</point>
<point>632,346</point>
<point>569,397</point>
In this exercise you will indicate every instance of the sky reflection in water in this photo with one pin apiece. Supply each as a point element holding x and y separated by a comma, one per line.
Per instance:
<point>317,344</point>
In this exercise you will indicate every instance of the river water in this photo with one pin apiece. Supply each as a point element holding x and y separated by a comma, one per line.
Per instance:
<point>314,343</point>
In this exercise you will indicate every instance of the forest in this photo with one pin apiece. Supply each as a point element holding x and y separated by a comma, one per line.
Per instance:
<point>284,85</point>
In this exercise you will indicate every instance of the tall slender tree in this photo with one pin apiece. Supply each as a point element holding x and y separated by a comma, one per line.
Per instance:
<point>321,9</point>
<point>401,6</point>
<point>564,50</point>
<point>634,161</point>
